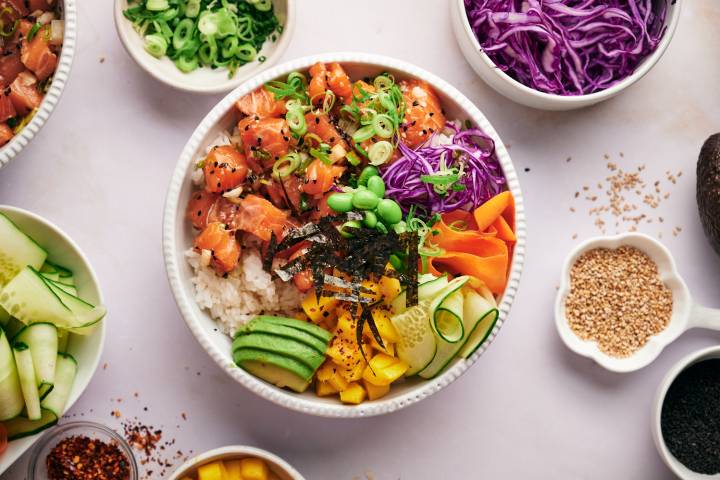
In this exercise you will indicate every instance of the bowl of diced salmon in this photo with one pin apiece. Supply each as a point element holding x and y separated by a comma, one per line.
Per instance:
<point>37,38</point>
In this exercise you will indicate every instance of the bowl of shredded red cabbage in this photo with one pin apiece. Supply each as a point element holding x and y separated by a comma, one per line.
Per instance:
<point>570,48</point>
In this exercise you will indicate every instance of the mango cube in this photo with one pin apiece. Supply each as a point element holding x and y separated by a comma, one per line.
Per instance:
<point>384,369</point>
<point>389,289</point>
<point>353,373</point>
<point>253,469</point>
<point>318,310</point>
<point>212,471</point>
<point>354,394</point>
<point>325,388</point>
<point>384,325</point>
<point>233,470</point>
<point>375,391</point>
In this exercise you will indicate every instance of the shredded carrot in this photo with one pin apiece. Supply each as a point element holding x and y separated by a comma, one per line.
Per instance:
<point>482,248</point>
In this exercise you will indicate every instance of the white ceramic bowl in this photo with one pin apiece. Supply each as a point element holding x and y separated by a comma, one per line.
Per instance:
<point>86,349</point>
<point>677,468</point>
<point>277,465</point>
<point>178,237</point>
<point>686,313</point>
<point>204,80</point>
<point>52,97</point>
<point>517,92</point>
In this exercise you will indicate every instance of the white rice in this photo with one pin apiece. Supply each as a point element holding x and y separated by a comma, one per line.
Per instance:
<point>246,292</point>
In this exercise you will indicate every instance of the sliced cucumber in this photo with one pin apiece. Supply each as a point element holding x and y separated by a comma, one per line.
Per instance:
<point>63,340</point>
<point>23,427</point>
<point>86,315</point>
<point>11,397</point>
<point>446,311</point>
<point>399,303</point>
<point>16,251</point>
<point>42,338</point>
<point>48,267</point>
<point>66,288</point>
<point>487,312</point>
<point>51,276</point>
<point>28,384</point>
<point>430,286</point>
<point>417,344</point>
<point>4,317</point>
<point>13,327</point>
<point>65,372</point>
<point>29,299</point>
<point>476,316</point>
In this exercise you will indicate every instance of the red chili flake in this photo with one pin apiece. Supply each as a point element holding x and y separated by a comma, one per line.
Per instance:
<point>83,458</point>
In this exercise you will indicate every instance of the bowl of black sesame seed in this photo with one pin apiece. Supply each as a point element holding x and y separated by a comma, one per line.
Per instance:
<point>686,416</point>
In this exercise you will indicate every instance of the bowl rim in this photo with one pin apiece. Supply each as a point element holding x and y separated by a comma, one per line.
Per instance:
<point>647,64</point>
<point>680,470</point>
<point>235,450</point>
<point>101,330</point>
<point>57,86</point>
<point>60,430</point>
<point>186,303</point>
<point>146,62</point>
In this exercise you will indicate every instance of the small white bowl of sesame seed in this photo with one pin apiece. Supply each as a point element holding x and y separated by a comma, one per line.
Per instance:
<point>622,301</point>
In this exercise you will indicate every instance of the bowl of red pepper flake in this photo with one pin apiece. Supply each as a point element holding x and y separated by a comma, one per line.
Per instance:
<point>82,451</point>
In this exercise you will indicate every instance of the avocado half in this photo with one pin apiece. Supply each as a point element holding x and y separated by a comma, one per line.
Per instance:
<point>283,351</point>
<point>708,189</point>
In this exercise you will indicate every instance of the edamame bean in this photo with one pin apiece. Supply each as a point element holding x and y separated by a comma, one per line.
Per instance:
<point>346,229</point>
<point>389,211</point>
<point>370,219</point>
<point>380,227</point>
<point>340,202</point>
<point>367,173</point>
<point>377,186</point>
<point>400,227</point>
<point>365,200</point>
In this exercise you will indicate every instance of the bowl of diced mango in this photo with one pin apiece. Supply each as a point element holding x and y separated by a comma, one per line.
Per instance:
<point>236,463</point>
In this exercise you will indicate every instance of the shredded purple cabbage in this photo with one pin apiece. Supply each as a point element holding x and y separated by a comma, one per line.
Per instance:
<point>567,47</point>
<point>482,177</point>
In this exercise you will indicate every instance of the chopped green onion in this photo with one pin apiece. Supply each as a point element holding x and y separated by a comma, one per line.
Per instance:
<point>364,133</point>
<point>296,121</point>
<point>286,165</point>
<point>157,5</point>
<point>441,178</point>
<point>383,125</point>
<point>262,5</point>
<point>328,101</point>
<point>383,83</point>
<point>230,47</point>
<point>367,116</point>
<point>33,31</point>
<point>246,52</point>
<point>380,152</point>
<point>192,9</point>
<point>208,54</point>
<point>322,152</point>
<point>187,64</point>
<point>156,45</point>
<point>353,159</point>
<point>458,225</point>
<point>183,33</point>
<point>220,23</point>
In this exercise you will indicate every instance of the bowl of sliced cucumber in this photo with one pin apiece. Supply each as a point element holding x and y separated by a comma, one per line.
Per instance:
<point>51,327</point>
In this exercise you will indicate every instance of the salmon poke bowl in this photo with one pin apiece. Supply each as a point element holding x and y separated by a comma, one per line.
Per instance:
<point>344,234</point>
<point>37,38</point>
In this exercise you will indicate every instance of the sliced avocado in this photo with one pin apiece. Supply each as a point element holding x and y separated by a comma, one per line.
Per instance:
<point>708,189</point>
<point>277,376</point>
<point>282,346</point>
<point>306,327</point>
<point>298,374</point>
<point>285,332</point>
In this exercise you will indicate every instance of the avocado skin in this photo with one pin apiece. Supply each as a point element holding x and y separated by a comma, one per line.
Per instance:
<point>708,189</point>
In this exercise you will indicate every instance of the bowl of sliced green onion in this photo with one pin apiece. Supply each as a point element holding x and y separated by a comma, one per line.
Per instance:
<point>204,46</point>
